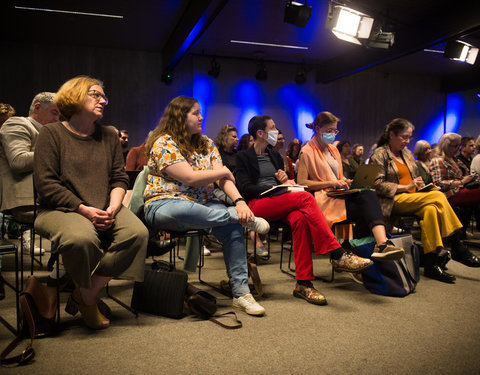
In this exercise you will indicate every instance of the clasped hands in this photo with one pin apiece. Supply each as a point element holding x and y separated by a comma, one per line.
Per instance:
<point>101,219</point>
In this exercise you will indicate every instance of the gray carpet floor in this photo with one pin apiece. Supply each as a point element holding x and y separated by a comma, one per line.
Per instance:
<point>432,331</point>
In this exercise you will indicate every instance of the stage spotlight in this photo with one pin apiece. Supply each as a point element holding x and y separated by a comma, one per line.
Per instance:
<point>300,76</point>
<point>297,14</point>
<point>261,74</point>
<point>167,77</point>
<point>214,68</point>
<point>478,94</point>
<point>380,39</point>
<point>461,51</point>
<point>348,24</point>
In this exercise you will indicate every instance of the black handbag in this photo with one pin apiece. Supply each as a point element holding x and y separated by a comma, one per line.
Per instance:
<point>204,305</point>
<point>162,292</point>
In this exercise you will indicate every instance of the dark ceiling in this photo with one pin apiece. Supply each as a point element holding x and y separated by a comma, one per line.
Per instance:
<point>206,27</point>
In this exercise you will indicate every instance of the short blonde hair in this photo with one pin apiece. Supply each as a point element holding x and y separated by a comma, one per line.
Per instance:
<point>445,141</point>
<point>71,95</point>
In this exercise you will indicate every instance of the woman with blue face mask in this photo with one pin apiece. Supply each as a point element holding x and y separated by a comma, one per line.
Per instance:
<point>258,169</point>
<point>320,168</point>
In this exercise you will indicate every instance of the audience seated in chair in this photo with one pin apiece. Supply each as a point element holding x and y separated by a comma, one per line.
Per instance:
<point>448,176</point>
<point>423,152</point>
<point>397,184</point>
<point>320,168</point>
<point>80,180</point>
<point>18,137</point>
<point>183,167</point>
<point>260,168</point>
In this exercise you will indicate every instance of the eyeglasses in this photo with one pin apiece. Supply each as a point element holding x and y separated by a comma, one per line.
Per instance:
<point>332,131</point>
<point>97,95</point>
<point>406,137</point>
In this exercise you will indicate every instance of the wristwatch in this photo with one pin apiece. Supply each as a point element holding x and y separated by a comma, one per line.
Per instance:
<point>238,200</point>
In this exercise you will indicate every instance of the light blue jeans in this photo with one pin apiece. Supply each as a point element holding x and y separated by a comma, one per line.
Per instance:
<point>181,215</point>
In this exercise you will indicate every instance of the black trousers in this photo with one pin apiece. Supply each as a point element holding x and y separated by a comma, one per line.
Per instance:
<point>364,209</point>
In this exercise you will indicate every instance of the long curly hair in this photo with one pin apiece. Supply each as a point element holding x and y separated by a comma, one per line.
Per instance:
<point>173,123</point>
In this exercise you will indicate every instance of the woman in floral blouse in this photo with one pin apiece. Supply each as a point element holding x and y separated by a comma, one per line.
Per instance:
<point>397,185</point>
<point>183,167</point>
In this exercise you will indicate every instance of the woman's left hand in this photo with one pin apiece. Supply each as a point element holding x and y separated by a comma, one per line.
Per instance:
<point>244,213</point>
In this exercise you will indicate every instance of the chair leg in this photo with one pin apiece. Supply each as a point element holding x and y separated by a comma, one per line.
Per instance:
<point>133,311</point>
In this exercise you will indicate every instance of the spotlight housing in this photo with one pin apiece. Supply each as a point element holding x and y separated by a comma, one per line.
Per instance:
<point>261,74</point>
<point>214,68</point>
<point>461,51</point>
<point>167,77</point>
<point>300,76</point>
<point>348,24</point>
<point>297,14</point>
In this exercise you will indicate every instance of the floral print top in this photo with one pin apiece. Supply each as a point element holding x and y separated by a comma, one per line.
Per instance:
<point>164,153</point>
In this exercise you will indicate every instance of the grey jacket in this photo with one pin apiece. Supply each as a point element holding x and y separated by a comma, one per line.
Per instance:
<point>18,136</point>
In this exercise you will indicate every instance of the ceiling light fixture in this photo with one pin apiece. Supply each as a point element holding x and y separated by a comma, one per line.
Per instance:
<point>267,44</point>
<point>261,74</point>
<point>167,77</point>
<point>348,24</point>
<point>356,27</point>
<point>70,12</point>
<point>214,68</point>
<point>461,51</point>
<point>297,14</point>
<point>301,75</point>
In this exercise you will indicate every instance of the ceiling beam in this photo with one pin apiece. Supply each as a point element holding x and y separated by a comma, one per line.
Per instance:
<point>198,15</point>
<point>452,21</point>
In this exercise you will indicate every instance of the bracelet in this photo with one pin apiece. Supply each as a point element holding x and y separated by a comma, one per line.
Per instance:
<point>238,200</point>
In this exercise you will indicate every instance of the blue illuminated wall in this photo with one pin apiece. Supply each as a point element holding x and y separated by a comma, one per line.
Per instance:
<point>365,101</point>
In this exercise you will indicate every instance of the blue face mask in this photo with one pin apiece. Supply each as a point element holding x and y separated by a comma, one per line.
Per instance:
<point>328,137</point>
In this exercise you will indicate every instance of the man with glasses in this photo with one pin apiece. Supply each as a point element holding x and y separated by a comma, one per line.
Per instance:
<point>18,136</point>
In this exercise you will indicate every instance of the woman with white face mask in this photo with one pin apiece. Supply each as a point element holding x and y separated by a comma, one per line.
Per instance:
<point>260,168</point>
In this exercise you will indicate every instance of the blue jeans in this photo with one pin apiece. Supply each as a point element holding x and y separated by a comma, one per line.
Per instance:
<point>181,215</point>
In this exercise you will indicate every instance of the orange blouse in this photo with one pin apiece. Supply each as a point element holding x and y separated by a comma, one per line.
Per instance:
<point>404,175</point>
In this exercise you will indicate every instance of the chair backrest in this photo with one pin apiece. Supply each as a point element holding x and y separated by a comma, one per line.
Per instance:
<point>136,203</point>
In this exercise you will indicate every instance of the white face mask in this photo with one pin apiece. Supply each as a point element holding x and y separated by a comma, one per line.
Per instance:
<point>272,137</point>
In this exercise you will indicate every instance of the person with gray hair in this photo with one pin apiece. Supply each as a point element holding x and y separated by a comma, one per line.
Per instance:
<point>18,136</point>
<point>423,153</point>
<point>461,191</point>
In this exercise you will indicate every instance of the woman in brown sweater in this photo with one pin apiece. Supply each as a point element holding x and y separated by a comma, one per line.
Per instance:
<point>79,177</point>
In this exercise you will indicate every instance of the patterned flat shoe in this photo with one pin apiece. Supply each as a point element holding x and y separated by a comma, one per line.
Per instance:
<point>387,251</point>
<point>309,294</point>
<point>350,263</point>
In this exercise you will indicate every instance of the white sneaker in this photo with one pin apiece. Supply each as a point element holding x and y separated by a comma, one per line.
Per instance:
<point>206,252</point>
<point>248,304</point>
<point>261,251</point>
<point>26,245</point>
<point>259,225</point>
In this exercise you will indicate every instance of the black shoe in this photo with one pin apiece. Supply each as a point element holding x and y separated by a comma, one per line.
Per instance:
<point>466,258</point>
<point>433,269</point>
<point>2,288</point>
<point>437,273</point>
<point>460,252</point>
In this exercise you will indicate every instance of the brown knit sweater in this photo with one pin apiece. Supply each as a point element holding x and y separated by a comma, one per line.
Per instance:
<point>70,170</point>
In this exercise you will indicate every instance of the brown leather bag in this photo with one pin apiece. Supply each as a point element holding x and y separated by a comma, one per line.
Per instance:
<point>38,306</point>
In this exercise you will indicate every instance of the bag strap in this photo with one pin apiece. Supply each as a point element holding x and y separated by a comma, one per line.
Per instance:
<point>406,271</point>
<point>236,325</point>
<point>28,353</point>
<point>253,272</point>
